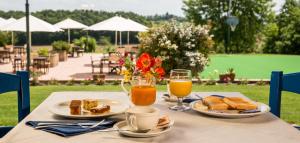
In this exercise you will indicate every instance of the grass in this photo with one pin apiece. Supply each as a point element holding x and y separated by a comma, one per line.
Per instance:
<point>256,66</point>
<point>8,103</point>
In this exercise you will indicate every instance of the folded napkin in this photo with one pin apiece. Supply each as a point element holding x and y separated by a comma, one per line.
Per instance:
<point>70,129</point>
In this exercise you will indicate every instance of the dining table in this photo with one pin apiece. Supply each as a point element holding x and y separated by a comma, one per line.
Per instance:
<point>189,126</point>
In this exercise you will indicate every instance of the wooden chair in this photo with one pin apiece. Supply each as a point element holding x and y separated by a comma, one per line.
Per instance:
<point>282,82</point>
<point>113,62</point>
<point>19,83</point>
<point>95,64</point>
<point>41,64</point>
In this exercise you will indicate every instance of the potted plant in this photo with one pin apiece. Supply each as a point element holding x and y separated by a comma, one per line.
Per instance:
<point>62,48</point>
<point>53,59</point>
<point>43,52</point>
<point>229,76</point>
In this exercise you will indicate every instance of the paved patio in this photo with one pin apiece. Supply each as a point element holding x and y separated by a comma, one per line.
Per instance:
<point>78,68</point>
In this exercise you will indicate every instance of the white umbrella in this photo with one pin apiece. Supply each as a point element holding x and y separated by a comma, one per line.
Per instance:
<point>134,26</point>
<point>36,25</point>
<point>2,21</point>
<point>117,23</point>
<point>70,24</point>
<point>9,21</point>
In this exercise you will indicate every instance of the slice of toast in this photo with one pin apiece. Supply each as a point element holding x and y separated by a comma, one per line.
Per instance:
<point>238,103</point>
<point>215,103</point>
<point>218,106</point>
<point>212,100</point>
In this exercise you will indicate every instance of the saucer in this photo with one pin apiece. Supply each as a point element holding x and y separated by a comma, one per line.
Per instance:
<point>125,130</point>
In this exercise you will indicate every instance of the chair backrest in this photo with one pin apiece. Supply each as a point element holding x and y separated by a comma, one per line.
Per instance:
<point>19,83</point>
<point>282,82</point>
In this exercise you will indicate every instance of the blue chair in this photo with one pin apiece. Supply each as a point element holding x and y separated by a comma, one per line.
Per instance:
<point>282,82</point>
<point>19,83</point>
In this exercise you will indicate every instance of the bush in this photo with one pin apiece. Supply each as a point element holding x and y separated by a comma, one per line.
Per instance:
<point>3,39</point>
<point>60,46</point>
<point>104,40</point>
<point>43,52</point>
<point>89,44</point>
<point>181,45</point>
<point>53,81</point>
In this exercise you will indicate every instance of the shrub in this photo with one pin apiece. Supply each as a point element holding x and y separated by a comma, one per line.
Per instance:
<point>60,46</point>
<point>87,82</point>
<point>261,83</point>
<point>71,82</point>
<point>3,39</point>
<point>43,52</point>
<point>53,81</point>
<point>104,40</point>
<point>181,45</point>
<point>244,81</point>
<point>88,43</point>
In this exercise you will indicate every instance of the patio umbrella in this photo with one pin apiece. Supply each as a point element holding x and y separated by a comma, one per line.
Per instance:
<point>116,24</point>
<point>70,24</point>
<point>9,21</point>
<point>134,26</point>
<point>36,25</point>
<point>2,21</point>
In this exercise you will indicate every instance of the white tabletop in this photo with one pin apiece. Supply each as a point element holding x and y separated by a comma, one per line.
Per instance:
<point>189,127</point>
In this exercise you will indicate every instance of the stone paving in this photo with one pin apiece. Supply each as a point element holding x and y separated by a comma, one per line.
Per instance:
<point>78,68</point>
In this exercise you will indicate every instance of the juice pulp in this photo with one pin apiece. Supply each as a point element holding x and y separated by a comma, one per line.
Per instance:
<point>143,95</point>
<point>180,88</point>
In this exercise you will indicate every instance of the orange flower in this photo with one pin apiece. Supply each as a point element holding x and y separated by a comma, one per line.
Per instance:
<point>160,72</point>
<point>145,62</point>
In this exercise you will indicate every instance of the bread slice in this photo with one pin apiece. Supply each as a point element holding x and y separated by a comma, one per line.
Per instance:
<point>212,100</point>
<point>215,103</point>
<point>218,106</point>
<point>238,103</point>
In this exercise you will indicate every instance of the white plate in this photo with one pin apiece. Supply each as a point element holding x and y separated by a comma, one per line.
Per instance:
<point>262,107</point>
<point>62,109</point>
<point>125,130</point>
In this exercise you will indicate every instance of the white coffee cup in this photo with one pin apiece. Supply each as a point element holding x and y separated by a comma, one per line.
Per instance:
<point>142,118</point>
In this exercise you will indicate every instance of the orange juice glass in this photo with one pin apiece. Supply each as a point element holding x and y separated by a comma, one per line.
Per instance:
<point>180,88</point>
<point>180,85</point>
<point>142,92</point>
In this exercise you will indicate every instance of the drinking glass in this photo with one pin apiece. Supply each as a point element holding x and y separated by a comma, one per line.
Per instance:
<point>180,85</point>
<point>143,91</point>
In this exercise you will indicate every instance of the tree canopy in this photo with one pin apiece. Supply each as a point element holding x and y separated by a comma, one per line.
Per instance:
<point>252,15</point>
<point>285,35</point>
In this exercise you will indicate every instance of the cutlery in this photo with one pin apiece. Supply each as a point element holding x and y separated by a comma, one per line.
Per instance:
<point>57,124</point>
<point>93,126</point>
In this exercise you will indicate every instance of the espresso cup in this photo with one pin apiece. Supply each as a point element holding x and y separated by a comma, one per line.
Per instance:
<point>142,118</point>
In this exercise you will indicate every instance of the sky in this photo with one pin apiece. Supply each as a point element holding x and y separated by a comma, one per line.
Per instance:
<point>142,7</point>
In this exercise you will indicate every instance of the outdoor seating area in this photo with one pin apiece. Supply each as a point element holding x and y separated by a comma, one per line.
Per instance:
<point>172,71</point>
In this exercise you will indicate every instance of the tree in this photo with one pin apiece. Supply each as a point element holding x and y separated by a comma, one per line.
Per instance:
<point>287,39</point>
<point>252,14</point>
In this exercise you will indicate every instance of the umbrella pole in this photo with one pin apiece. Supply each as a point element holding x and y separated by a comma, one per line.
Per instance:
<point>69,37</point>
<point>127,37</point>
<point>12,38</point>
<point>28,35</point>
<point>120,39</point>
<point>116,38</point>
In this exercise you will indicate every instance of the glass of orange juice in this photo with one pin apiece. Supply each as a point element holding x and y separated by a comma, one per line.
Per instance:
<point>143,91</point>
<point>180,85</point>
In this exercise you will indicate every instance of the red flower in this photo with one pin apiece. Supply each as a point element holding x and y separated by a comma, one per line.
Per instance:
<point>145,62</point>
<point>121,61</point>
<point>160,72</point>
<point>158,62</point>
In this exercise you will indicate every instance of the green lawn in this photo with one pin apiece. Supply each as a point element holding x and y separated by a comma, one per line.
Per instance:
<point>8,103</point>
<point>258,66</point>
